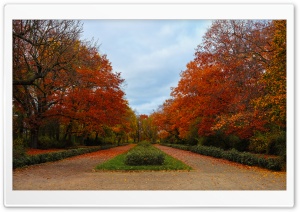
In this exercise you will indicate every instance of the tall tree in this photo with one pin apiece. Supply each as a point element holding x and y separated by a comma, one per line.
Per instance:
<point>273,103</point>
<point>241,51</point>
<point>58,77</point>
<point>42,49</point>
<point>236,68</point>
<point>94,100</point>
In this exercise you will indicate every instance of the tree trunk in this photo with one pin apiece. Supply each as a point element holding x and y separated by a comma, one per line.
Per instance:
<point>96,139</point>
<point>67,137</point>
<point>57,132</point>
<point>34,137</point>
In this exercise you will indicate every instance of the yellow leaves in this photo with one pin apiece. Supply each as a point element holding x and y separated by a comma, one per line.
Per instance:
<point>274,101</point>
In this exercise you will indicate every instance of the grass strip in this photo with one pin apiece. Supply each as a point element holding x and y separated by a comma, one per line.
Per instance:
<point>118,164</point>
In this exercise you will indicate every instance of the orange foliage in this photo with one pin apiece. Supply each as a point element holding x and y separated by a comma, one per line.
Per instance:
<point>58,77</point>
<point>217,89</point>
<point>94,99</point>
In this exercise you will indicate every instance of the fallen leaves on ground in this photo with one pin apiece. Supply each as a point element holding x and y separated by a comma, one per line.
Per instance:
<point>104,154</point>
<point>182,155</point>
<point>41,151</point>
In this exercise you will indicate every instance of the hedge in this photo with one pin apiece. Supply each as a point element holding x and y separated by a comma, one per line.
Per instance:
<point>54,156</point>
<point>245,158</point>
<point>144,154</point>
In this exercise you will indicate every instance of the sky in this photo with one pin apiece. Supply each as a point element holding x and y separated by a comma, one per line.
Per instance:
<point>149,54</point>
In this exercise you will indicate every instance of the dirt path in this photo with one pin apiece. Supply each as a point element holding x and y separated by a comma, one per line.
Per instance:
<point>77,173</point>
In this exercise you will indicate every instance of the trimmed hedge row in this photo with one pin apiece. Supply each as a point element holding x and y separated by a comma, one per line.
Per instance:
<point>144,154</point>
<point>54,156</point>
<point>245,158</point>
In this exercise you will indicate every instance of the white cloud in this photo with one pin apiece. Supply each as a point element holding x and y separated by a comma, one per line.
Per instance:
<point>149,54</point>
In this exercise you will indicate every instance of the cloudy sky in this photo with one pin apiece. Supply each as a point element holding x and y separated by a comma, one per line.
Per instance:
<point>150,54</point>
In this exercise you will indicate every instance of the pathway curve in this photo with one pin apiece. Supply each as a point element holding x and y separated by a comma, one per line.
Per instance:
<point>77,173</point>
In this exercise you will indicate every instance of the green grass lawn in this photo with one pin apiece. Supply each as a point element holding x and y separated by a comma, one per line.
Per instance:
<point>118,164</point>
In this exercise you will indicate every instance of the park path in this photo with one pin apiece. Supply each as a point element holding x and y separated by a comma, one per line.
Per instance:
<point>77,173</point>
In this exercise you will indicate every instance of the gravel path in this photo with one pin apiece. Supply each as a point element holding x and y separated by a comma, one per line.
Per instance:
<point>77,173</point>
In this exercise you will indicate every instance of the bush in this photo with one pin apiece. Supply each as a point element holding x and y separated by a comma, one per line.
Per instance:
<point>18,148</point>
<point>234,142</point>
<point>202,140</point>
<point>273,142</point>
<point>144,154</point>
<point>259,143</point>
<point>144,144</point>
<point>27,160</point>
<point>245,158</point>
<point>45,142</point>
<point>232,155</point>
<point>178,146</point>
<point>277,144</point>
<point>207,150</point>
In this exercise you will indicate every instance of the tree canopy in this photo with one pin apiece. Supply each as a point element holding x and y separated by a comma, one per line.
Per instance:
<point>234,91</point>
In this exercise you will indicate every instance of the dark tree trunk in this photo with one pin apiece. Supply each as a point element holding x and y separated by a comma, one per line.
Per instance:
<point>34,138</point>
<point>67,137</point>
<point>57,133</point>
<point>96,139</point>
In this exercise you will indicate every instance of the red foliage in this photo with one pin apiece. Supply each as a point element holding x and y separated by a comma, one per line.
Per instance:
<point>217,89</point>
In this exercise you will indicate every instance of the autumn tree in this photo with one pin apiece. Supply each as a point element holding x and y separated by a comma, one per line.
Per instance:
<point>42,46</point>
<point>95,98</point>
<point>149,129</point>
<point>127,129</point>
<point>58,78</point>
<point>234,87</point>
<point>273,103</point>
<point>240,51</point>
<point>166,119</point>
<point>42,49</point>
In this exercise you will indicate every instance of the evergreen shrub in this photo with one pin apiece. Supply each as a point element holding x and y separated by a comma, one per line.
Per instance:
<point>27,160</point>
<point>245,158</point>
<point>144,154</point>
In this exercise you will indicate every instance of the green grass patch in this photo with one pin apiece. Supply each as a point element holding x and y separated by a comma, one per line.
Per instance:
<point>118,163</point>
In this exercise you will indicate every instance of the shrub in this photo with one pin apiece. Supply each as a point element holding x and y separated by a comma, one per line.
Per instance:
<point>144,154</point>
<point>207,150</point>
<point>232,155</point>
<point>178,146</point>
<point>274,164</point>
<point>144,144</point>
<point>27,160</point>
<point>258,143</point>
<point>245,158</point>
<point>45,142</point>
<point>202,140</point>
<point>277,143</point>
<point>249,159</point>
<point>18,148</point>
<point>273,142</point>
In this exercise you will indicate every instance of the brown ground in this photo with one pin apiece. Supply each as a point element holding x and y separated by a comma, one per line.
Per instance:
<point>77,173</point>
